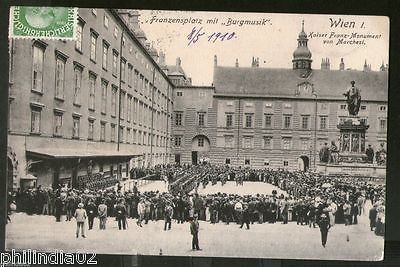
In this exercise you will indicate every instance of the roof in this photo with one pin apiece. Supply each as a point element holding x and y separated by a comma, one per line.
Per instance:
<point>60,153</point>
<point>284,82</point>
<point>175,70</point>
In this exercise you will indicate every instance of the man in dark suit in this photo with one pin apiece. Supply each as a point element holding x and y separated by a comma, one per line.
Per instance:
<point>121,215</point>
<point>324,227</point>
<point>194,230</point>
<point>372,217</point>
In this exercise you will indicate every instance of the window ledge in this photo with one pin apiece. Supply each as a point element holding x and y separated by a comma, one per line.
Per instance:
<point>37,91</point>
<point>77,105</point>
<point>59,99</point>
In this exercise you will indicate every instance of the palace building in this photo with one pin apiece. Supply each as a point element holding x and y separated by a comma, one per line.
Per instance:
<point>274,118</point>
<point>85,112</point>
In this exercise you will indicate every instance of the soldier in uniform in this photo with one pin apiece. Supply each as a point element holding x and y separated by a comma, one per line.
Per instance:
<point>194,230</point>
<point>324,228</point>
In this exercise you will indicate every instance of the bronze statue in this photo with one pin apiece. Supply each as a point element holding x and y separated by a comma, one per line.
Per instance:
<point>353,99</point>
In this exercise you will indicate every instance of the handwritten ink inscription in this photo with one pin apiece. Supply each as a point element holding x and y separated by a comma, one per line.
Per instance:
<point>197,34</point>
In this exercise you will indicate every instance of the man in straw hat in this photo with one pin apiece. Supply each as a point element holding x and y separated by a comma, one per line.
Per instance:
<point>80,216</point>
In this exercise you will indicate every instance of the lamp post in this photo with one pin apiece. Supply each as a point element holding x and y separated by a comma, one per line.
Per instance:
<point>315,127</point>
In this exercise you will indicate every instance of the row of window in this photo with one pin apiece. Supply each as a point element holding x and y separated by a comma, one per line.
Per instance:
<point>268,121</point>
<point>134,110</point>
<point>137,137</point>
<point>323,105</point>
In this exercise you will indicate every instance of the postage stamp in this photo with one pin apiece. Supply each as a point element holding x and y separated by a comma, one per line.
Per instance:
<point>43,22</point>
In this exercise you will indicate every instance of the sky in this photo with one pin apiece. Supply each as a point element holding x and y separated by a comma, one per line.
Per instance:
<point>273,40</point>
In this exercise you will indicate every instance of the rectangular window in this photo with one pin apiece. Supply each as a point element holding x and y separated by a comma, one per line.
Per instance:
<point>90,129</point>
<point>37,70</point>
<point>115,63</point>
<point>93,44</point>
<point>139,140</point>
<point>60,77</point>
<point>179,93</point>
<point>135,81</point>
<point>248,120</point>
<point>229,119</point>
<point>122,104</point>
<point>267,142</point>
<point>92,88</point>
<point>323,122</point>
<point>227,161</point>
<point>268,120</point>
<point>105,21</point>
<point>35,120</point>
<point>229,141</point>
<point>304,122</point>
<point>112,132</point>
<point>363,107</point>
<point>79,36</point>
<point>382,125</point>
<point>58,122</point>
<point>77,84</point>
<point>201,118</point>
<point>247,162</point>
<point>382,108</point>
<point>247,142</point>
<point>285,163</point>
<point>286,143</point>
<point>102,131</point>
<point>129,109</point>
<point>75,127</point>
<point>121,134</point>
<point>178,141</point>
<point>130,71</point>
<point>343,106</point>
<point>178,118</point>
<point>287,121</point>
<point>128,135</point>
<point>305,144</point>
<point>123,69</point>
<point>200,141</point>
<point>114,102</point>
<point>364,121</point>
<point>134,136</point>
<point>105,55</point>
<point>104,85</point>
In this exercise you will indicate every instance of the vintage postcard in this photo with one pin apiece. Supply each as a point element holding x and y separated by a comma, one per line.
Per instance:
<point>258,135</point>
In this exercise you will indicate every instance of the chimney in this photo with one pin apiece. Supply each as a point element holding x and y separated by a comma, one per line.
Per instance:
<point>365,66</point>
<point>323,64</point>
<point>162,58</point>
<point>215,60</point>
<point>341,66</point>
<point>237,63</point>
<point>178,61</point>
<point>253,62</point>
<point>328,64</point>
<point>258,63</point>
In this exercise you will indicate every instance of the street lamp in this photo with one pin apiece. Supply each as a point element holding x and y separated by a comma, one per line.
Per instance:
<point>315,126</point>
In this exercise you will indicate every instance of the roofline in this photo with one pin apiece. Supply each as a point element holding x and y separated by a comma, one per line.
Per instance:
<point>324,98</point>
<point>271,68</point>
<point>194,87</point>
<point>133,37</point>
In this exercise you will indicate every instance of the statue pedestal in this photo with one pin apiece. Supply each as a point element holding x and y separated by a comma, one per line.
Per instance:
<point>352,140</point>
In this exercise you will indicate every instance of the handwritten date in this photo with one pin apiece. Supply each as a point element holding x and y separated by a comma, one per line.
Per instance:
<point>197,34</point>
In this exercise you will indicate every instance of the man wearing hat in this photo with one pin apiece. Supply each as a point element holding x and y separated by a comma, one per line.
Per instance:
<point>324,227</point>
<point>80,216</point>
<point>194,230</point>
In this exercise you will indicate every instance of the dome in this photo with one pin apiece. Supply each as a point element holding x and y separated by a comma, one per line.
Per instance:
<point>302,35</point>
<point>302,52</point>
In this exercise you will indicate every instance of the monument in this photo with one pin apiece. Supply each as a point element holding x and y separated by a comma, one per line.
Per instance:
<point>351,157</point>
<point>352,130</point>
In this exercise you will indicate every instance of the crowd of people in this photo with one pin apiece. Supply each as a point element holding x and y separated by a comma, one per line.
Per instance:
<point>310,199</point>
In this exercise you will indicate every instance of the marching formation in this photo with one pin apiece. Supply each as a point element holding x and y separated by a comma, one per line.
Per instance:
<point>310,199</point>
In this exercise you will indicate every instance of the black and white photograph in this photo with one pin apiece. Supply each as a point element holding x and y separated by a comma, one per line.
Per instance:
<point>197,133</point>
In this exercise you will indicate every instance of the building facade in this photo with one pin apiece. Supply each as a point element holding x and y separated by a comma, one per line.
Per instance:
<point>276,118</point>
<point>87,112</point>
